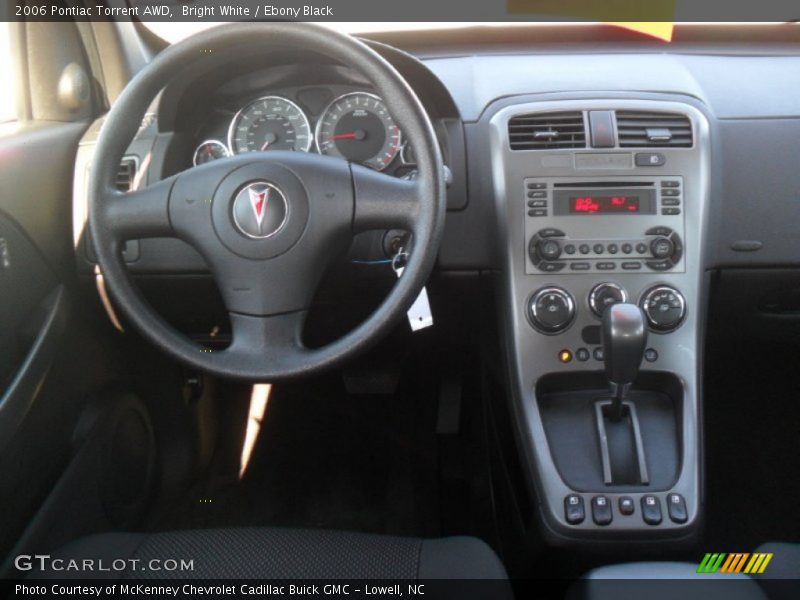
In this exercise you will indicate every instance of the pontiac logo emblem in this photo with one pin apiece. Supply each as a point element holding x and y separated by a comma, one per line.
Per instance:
<point>259,210</point>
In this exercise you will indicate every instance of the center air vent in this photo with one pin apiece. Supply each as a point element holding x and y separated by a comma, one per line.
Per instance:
<point>126,174</point>
<point>547,131</point>
<point>641,129</point>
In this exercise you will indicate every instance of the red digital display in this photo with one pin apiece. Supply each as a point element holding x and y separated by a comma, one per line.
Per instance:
<point>603,204</point>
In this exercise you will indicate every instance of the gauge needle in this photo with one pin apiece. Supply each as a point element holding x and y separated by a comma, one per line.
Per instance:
<point>358,134</point>
<point>270,138</point>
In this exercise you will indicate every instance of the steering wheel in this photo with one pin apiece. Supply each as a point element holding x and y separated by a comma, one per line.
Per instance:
<point>268,223</point>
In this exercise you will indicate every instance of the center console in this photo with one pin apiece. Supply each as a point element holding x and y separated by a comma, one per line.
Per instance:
<point>599,203</point>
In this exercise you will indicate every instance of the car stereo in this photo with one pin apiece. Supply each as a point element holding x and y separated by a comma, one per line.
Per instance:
<point>604,225</point>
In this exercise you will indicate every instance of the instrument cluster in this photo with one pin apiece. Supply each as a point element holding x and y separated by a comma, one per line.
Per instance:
<point>352,124</point>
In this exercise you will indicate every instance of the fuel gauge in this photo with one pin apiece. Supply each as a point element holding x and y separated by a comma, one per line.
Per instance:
<point>208,151</point>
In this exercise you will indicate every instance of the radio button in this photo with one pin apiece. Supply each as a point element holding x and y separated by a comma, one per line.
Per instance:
<point>537,212</point>
<point>660,230</point>
<point>537,203</point>
<point>569,248</point>
<point>672,192</point>
<point>598,249</point>
<point>537,194</point>
<point>641,248</point>
<point>549,249</point>
<point>631,266</point>
<point>537,186</point>
<point>670,211</point>
<point>580,266</point>
<point>549,232</point>
<point>613,248</point>
<point>671,183</point>
<point>671,202</point>
<point>659,265</point>
<point>584,249</point>
<point>552,267</point>
<point>627,248</point>
<point>606,266</point>
<point>662,247</point>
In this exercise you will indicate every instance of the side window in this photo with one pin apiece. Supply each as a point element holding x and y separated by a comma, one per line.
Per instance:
<point>8,109</point>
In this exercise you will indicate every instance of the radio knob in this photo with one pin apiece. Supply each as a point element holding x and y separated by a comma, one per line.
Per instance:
<point>549,249</point>
<point>662,247</point>
<point>604,295</point>
<point>551,310</point>
<point>665,308</point>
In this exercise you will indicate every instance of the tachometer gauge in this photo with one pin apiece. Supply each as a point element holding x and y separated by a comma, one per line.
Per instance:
<point>358,127</point>
<point>270,123</point>
<point>208,151</point>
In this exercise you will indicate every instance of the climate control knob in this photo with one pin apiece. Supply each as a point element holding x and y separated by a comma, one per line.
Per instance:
<point>604,295</point>
<point>551,310</point>
<point>665,308</point>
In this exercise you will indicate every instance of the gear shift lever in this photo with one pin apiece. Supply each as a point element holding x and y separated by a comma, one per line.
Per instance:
<point>624,341</point>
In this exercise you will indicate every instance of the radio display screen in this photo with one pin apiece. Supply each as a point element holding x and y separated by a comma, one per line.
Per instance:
<point>603,204</point>
<point>611,202</point>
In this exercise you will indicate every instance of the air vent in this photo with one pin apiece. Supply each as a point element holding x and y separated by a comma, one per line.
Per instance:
<point>639,129</point>
<point>126,174</point>
<point>548,131</point>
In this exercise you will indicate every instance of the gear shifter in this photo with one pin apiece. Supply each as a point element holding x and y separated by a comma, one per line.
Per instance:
<point>624,341</point>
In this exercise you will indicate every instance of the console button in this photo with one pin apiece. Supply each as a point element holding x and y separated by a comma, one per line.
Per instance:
<point>650,159</point>
<point>627,248</point>
<point>676,507</point>
<point>537,194</point>
<point>601,510</point>
<point>672,192</point>
<point>537,203</point>
<point>631,266</point>
<point>670,211</point>
<point>580,266</point>
<point>671,202</point>
<point>651,355</point>
<point>671,183</point>
<point>582,354</point>
<point>569,248</point>
<point>537,186</point>
<point>641,248</point>
<point>550,249</point>
<point>606,266</point>
<point>574,510</point>
<point>599,354</point>
<point>537,212</point>
<point>584,249</point>
<point>613,248</point>
<point>598,248</point>
<point>626,505</point>
<point>552,267</point>
<point>651,510</point>
<point>548,232</point>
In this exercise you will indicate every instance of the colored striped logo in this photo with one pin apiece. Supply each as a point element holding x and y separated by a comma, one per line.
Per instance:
<point>736,562</point>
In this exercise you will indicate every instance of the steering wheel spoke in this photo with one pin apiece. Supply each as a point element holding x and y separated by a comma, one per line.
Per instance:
<point>143,213</point>
<point>383,201</point>
<point>267,342</point>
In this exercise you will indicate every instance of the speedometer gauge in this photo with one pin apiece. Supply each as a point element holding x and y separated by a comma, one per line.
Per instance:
<point>358,127</point>
<point>270,123</point>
